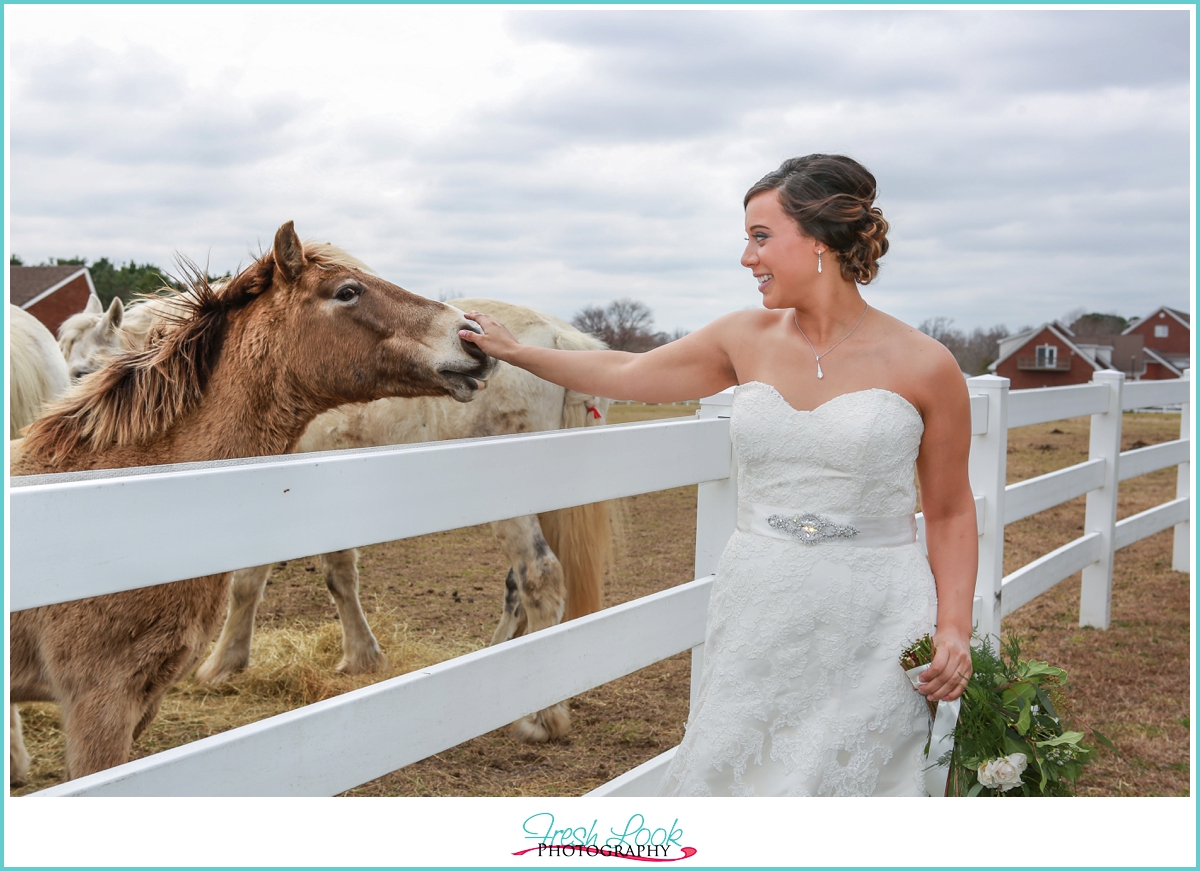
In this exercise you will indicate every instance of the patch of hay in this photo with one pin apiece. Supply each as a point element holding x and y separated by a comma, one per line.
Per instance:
<point>294,665</point>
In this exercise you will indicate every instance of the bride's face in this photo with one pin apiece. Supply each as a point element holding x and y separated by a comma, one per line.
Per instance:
<point>782,258</point>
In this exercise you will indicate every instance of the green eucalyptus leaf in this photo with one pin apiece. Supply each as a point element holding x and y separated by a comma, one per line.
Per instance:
<point>1014,744</point>
<point>1026,690</point>
<point>1046,703</point>
<point>1033,668</point>
<point>1106,742</point>
<point>1064,738</point>
<point>1023,718</point>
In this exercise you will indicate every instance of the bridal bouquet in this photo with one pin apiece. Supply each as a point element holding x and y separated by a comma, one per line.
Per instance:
<point>1010,738</point>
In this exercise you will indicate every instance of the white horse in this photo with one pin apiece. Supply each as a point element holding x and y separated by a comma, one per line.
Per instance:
<point>88,339</point>
<point>38,376</point>
<point>39,373</point>
<point>558,559</point>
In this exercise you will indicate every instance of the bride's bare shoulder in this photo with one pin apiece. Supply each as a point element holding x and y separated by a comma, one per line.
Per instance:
<point>927,365</point>
<point>749,321</point>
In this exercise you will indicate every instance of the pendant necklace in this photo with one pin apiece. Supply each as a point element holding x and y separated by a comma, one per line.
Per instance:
<point>821,374</point>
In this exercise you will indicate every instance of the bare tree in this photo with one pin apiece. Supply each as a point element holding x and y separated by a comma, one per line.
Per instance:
<point>1073,315</point>
<point>973,352</point>
<point>624,325</point>
<point>592,319</point>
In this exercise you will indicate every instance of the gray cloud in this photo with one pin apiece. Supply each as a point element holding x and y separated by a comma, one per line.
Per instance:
<point>1030,161</point>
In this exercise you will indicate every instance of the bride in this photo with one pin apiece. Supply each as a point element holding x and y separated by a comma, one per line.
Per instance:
<point>823,583</point>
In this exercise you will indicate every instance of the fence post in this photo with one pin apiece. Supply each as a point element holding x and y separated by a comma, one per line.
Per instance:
<point>1095,596</point>
<point>1181,559</point>
<point>988,469</point>
<point>716,516</point>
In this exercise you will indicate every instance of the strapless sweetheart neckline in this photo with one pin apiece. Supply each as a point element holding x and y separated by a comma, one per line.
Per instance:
<point>834,399</point>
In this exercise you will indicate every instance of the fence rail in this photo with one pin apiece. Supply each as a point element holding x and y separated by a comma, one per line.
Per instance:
<point>322,502</point>
<point>386,493</point>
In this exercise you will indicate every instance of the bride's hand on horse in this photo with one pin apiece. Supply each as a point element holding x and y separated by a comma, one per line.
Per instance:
<point>495,340</point>
<point>948,674</point>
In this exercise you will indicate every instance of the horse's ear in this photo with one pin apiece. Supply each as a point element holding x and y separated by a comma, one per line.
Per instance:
<point>289,252</point>
<point>114,316</point>
<point>93,307</point>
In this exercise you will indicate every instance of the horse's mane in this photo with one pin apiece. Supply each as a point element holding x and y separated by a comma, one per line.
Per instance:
<point>140,394</point>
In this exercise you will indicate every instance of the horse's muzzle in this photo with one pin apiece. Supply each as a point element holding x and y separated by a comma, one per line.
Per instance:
<point>485,363</point>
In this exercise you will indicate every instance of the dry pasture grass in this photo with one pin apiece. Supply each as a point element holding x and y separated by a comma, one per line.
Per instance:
<point>1131,682</point>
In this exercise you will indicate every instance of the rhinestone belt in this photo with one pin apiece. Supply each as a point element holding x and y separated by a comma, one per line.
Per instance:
<point>811,528</point>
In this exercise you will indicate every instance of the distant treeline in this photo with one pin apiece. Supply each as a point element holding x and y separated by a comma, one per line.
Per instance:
<point>128,282</point>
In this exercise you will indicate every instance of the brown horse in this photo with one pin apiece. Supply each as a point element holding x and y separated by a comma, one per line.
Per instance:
<point>241,375</point>
<point>558,558</point>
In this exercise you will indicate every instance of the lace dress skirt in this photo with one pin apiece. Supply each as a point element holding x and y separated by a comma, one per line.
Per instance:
<point>801,691</point>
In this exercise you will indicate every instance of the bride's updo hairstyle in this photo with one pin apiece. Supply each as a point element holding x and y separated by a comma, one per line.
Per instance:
<point>832,199</point>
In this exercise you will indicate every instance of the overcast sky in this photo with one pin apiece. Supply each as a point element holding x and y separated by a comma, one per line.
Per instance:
<point>1029,162</point>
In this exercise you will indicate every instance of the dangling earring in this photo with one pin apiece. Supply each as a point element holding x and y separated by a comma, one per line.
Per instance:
<point>818,262</point>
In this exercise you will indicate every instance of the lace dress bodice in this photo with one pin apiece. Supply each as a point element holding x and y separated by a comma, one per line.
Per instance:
<point>853,455</point>
<point>801,691</point>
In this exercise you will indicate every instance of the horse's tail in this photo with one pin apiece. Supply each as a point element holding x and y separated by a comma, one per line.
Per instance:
<point>582,536</point>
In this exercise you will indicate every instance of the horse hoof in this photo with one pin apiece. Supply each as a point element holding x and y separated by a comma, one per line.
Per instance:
<point>18,772</point>
<point>363,665</point>
<point>543,726</point>
<point>212,672</point>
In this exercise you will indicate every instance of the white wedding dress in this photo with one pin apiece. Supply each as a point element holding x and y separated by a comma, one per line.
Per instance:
<point>801,691</point>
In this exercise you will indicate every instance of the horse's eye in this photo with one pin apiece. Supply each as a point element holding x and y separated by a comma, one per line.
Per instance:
<point>347,293</point>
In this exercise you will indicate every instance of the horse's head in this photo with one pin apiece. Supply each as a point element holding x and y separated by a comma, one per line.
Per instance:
<point>90,338</point>
<point>351,335</point>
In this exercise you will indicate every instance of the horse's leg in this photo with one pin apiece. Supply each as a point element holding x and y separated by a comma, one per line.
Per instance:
<point>512,617</point>
<point>18,756</point>
<point>535,596</point>
<point>98,726</point>
<point>231,653</point>
<point>360,650</point>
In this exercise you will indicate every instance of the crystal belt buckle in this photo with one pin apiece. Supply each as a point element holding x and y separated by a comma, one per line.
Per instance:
<point>810,528</point>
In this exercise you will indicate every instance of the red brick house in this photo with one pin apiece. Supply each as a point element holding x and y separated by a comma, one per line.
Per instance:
<point>50,293</point>
<point>1053,356</point>
<point>1166,334</point>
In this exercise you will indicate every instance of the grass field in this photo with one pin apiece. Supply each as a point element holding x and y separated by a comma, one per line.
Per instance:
<point>1132,682</point>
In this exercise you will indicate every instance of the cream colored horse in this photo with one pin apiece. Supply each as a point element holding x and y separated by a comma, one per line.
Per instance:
<point>91,337</point>
<point>38,373</point>
<point>38,376</point>
<point>558,560</point>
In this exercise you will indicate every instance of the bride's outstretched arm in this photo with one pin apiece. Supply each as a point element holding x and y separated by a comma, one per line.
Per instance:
<point>694,366</point>
<point>951,531</point>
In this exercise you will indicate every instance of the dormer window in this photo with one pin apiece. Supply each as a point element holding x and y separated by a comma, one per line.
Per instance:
<point>1047,356</point>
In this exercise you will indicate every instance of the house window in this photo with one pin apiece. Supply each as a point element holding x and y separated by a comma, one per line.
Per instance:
<point>1160,331</point>
<point>1047,356</point>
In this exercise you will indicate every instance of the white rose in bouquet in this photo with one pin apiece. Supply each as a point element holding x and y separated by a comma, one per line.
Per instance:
<point>1003,773</point>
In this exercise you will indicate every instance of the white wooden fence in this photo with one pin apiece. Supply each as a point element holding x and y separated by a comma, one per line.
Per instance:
<point>212,517</point>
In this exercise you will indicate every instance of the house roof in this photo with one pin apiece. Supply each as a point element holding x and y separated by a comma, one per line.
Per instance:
<point>1058,330</point>
<point>1157,358</point>
<point>28,283</point>
<point>1183,317</point>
